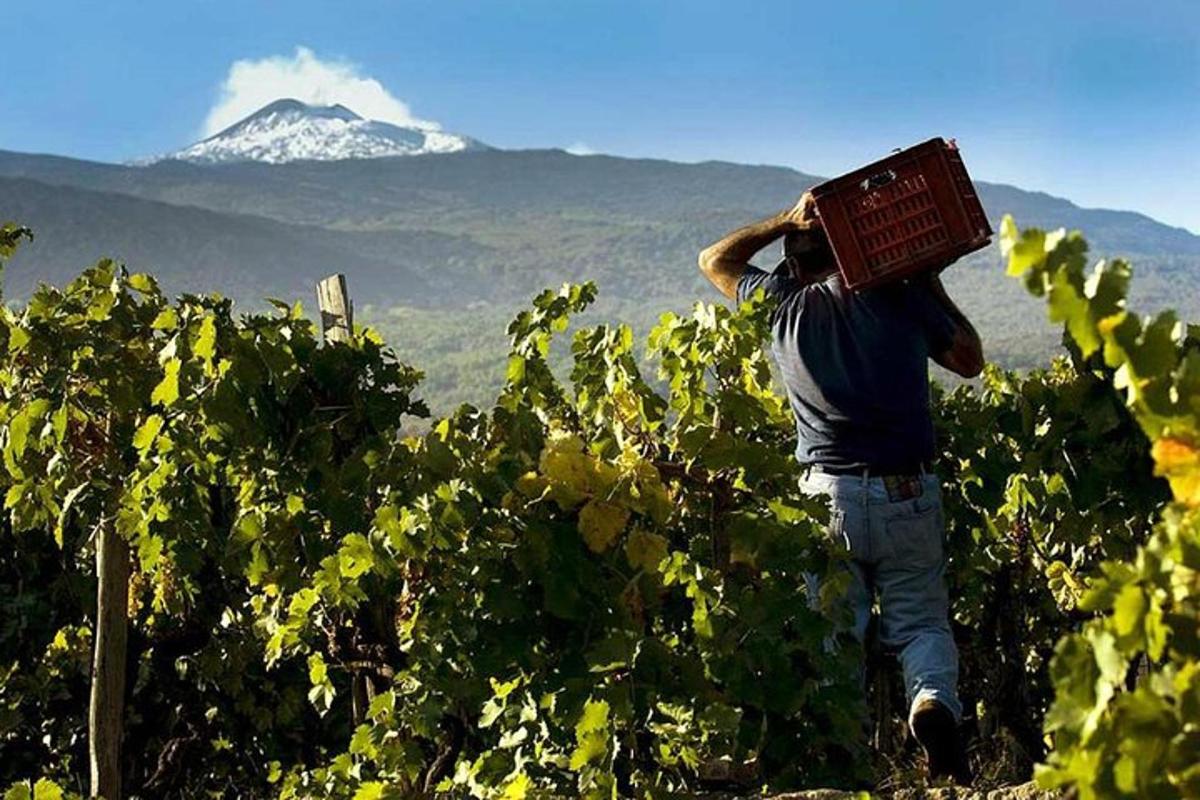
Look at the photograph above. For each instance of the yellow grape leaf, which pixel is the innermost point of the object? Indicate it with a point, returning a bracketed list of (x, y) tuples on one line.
[(574, 474), (517, 788), (1179, 462), (532, 485), (566, 497), (602, 476), (567, 468), (645, 550), (601, 523), (564, 461)]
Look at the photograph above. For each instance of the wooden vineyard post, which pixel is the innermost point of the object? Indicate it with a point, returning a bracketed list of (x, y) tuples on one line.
[(337, 312), (106, 709), (337, 324)]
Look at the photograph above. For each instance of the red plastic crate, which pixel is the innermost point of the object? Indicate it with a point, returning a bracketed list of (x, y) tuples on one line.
[(912, 211)]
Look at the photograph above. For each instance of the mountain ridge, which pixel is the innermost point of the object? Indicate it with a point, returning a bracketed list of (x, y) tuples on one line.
[(288, 258), (142, 180), (440, 250)]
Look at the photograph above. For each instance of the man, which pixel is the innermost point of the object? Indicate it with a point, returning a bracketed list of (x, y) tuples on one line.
[(855, 369)]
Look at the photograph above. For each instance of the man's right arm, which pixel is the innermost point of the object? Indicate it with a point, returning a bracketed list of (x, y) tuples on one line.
[(964, 355), (724, 262)]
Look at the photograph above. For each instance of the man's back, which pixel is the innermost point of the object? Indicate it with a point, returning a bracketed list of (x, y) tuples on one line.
[(855, 367)]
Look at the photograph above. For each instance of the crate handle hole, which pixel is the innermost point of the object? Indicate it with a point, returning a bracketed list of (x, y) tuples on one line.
[(877, 180)]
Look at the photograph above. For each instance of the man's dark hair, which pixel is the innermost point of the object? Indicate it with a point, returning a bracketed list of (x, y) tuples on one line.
[(807, 254)]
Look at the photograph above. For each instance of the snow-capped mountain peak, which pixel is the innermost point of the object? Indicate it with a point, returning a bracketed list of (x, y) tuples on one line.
[(289, 130)]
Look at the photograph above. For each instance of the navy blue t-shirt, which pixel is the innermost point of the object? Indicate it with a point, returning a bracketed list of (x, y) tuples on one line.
[(855, 366)]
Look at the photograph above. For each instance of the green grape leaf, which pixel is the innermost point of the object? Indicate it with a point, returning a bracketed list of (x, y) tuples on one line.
[(167, 320), (370, 790), (166, 393), (143, 283), (356, 556), (591, 734), (206, 340), (46, 789), (147, 432), (18, 791), (1024, 250)]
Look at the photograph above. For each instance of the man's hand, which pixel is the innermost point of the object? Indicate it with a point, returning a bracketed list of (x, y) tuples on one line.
[(724, 262), (803, 215)]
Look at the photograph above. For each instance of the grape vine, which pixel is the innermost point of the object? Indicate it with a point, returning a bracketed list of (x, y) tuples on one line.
[(593, 587)]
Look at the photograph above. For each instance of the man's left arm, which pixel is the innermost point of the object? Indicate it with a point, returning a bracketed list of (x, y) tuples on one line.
[(964, 353), (724, 262)]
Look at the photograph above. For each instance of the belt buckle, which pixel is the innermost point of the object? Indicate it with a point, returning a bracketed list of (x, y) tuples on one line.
[(903, 487)]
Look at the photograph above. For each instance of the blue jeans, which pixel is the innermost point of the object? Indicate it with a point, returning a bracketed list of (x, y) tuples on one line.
[(896, 550)]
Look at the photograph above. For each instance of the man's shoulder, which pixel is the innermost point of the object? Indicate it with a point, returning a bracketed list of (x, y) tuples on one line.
[(829, 290), (778, 284)]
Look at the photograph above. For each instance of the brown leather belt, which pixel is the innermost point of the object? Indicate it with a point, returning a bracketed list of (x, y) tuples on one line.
[(902, 483), (915, 468)]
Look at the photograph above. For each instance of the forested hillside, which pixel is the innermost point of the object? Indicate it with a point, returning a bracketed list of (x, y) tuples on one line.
[(441, 251)]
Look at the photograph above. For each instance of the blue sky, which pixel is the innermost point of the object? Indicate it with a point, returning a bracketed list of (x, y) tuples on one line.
[(1095, 101)]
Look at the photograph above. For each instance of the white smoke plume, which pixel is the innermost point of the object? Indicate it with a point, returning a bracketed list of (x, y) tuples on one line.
[(252, 84), (582, 149)]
